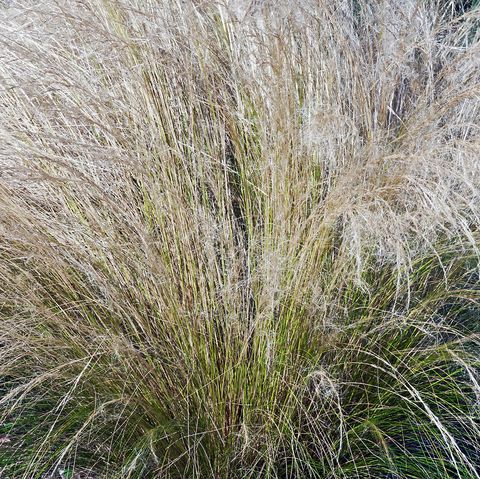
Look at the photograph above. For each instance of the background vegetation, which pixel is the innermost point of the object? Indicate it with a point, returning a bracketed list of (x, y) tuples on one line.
[(239, 240)]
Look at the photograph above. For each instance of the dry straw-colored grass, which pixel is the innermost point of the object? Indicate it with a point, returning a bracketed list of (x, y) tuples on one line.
[(240, 240)]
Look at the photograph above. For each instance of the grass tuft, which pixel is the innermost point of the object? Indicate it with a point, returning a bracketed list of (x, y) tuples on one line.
[(239, 239)]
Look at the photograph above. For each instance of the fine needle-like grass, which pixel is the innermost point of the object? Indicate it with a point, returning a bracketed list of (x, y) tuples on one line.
[(239, 239)]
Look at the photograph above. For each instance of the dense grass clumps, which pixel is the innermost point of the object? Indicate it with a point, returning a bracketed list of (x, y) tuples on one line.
[(239, 240)]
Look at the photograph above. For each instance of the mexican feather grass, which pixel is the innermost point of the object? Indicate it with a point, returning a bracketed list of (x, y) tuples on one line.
[(240, 239)]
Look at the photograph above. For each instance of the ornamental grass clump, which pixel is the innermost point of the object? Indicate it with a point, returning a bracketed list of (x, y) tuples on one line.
[(239, 239)]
